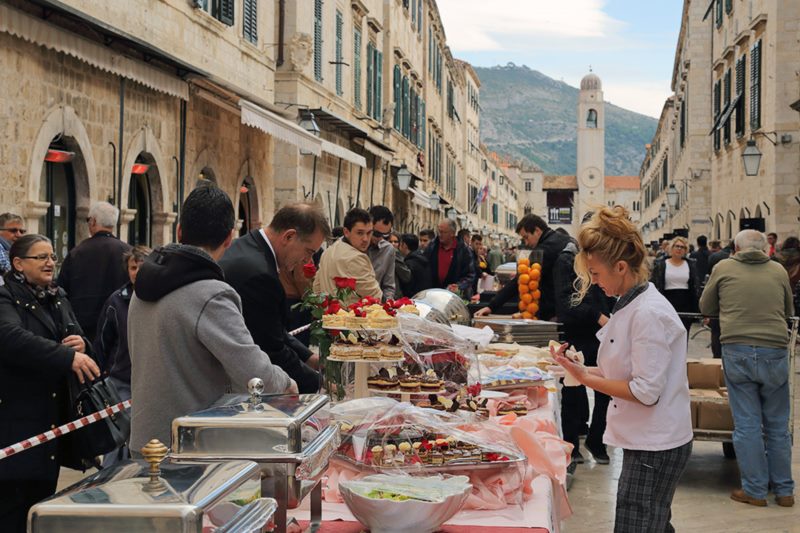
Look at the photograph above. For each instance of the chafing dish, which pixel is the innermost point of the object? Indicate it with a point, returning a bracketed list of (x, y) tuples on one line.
[(149, 495), (521, 330), (282, 433), (435, 304)]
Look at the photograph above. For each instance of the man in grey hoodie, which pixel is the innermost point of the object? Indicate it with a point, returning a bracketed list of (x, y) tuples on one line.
[(187, 338)]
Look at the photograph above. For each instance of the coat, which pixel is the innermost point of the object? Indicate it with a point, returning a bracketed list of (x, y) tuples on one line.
[(462, 268), (111, 345), (421, 279), (657, 277), (251, 268), (34, 370), (90, 273), (341, 260)]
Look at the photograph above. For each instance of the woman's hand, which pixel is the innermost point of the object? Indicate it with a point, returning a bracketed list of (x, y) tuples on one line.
[(483, 312), (576, 370), (85, 367), (75, 341)]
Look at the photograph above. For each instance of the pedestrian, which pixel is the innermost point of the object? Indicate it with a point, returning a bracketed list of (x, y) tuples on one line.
[(789, 257), (481, 265), (772, 241), (402, 272), (394, 239), (450, 260), (111, 346), (641, 365), (713, 322), (752, 296), (581, 322), (425, 237), (537, 235), (495, 257), (676, 278), (713, 247), (417, 262), (12, 227), (347, 258), (380, 252), (94, 269), (252, 266), (42, 344), (188, 341), (701, 256)]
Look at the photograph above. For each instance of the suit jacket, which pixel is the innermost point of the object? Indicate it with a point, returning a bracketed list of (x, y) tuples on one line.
[(343, 261), (252, 270), (90, 273)]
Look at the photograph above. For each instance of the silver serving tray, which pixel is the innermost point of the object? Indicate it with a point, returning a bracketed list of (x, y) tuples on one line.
[(513, 462)]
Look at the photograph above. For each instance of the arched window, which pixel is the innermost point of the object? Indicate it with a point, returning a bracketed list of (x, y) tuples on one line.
[(591, 119)]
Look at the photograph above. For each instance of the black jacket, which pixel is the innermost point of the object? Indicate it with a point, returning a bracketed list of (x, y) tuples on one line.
[(701, 256), (551, 243), (111, 346), (462, 268), (716, 257), (421, 279), (90, 273), (251, 269), (34, 370), (579, 322), (659, 272)]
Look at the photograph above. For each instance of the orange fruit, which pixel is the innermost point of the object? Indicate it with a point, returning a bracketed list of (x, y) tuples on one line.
[(524, 261), (527, 298), (537, 294), (522, 306), (533, 308), (524, 279), (535, 275), (524, 289), (533, 285), (536, 266), (523, 269), (527, 315)]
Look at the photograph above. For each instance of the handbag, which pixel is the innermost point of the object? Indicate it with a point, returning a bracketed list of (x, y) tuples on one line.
[(82, 446)]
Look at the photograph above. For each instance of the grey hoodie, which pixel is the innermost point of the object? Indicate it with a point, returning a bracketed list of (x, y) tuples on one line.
[(188, 342)]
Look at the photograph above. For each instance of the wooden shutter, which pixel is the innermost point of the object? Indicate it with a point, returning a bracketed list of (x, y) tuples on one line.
[(369, 78), (398, 100), (225, 11), (250, 21), (378, 68), (726, 127), (740, 81), (406, 108), (728, 6), (339, 53), (318, 40), (424, 125), (717, 103), (357, 68), (719, 13), (755, 87), (412, 127)]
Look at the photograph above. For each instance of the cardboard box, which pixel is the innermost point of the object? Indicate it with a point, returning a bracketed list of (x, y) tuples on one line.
[(714, 415), (694, 408), (705, 373)]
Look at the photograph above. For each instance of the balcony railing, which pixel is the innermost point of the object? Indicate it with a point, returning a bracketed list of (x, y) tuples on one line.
[(559, 215)]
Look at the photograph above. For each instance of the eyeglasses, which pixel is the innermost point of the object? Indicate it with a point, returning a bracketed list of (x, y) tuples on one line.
[(21, 231), (679, 247), (376, 233), (41, 257)]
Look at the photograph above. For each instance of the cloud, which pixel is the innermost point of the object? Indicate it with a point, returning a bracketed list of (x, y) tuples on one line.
[(643, 97), (483, 25)]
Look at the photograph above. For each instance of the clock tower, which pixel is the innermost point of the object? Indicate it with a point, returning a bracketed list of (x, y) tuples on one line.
[(590, 170)]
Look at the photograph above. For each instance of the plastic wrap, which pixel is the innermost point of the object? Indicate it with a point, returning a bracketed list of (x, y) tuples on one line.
[(435, 488)]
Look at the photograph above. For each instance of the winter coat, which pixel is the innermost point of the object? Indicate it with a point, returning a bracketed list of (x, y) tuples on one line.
[(111, 345), (657, 277), (462, 267), (421, 279)]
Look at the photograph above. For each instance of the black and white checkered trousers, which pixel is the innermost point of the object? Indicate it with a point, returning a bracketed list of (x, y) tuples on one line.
[(646, 486)]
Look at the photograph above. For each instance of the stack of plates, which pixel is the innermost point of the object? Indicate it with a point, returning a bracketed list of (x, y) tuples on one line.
[(520, 330)]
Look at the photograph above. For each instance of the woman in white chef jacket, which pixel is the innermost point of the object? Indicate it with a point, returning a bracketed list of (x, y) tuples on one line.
[(641, 364)]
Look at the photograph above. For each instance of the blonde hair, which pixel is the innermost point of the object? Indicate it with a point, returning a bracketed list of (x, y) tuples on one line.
[(611, 236), (677, 240)]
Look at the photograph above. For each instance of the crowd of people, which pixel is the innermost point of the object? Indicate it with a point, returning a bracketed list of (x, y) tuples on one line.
[(176, 327)]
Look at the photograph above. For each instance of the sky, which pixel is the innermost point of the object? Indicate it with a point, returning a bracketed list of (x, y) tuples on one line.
[(630, 44)]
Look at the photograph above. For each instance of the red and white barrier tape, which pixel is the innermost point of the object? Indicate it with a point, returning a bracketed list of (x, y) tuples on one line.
[(63, 430), (301, 329)]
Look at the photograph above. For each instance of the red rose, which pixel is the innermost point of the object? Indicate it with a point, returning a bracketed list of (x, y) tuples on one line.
[(309, 270), (333, 308), (345, 283)]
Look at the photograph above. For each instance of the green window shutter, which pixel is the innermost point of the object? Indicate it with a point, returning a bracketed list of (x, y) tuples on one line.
[(406, 107), (419, 16), (398, 101), (339, 53), (717, 105), (740, 81), (225, 11), (726, 128), (719, 13), (424, 124), (318, 40), (369, 79), (728, 6), (378, 68), (250, 21), (357, 68), (413, 14), (755, 86)]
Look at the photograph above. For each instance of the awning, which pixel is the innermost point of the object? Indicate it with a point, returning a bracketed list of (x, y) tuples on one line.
[(41, 33), (326, 116), (726, 114), (374, 149), (420, 197), (278, 127), (344, 153)]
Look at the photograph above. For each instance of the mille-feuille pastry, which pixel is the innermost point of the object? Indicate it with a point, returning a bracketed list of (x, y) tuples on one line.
[(391, 351)]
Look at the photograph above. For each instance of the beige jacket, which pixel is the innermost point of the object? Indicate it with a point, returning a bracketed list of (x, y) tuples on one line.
[(343, 261)]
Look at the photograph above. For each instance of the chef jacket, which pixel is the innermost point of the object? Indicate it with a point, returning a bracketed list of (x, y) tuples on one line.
[(644, 343)]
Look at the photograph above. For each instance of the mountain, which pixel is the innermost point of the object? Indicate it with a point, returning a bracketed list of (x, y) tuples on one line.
[(527, 115)]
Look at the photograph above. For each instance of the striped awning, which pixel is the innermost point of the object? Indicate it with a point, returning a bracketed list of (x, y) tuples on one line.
[(42, 33), (280, 128)]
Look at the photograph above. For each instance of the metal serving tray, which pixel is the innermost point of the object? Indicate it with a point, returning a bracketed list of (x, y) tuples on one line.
[(187, 497), (450, 468)]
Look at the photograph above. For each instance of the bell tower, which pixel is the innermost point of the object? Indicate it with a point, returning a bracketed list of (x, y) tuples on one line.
[(590, 170)]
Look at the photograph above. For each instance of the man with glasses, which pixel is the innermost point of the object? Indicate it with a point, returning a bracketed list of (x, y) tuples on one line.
[(380, 251), (11, 229)]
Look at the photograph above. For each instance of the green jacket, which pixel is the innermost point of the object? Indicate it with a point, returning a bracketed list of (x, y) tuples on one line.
[(752, 296)]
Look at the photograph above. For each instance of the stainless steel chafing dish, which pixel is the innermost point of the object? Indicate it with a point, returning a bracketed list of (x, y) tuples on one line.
[(281, 433), (520, 330), (135, 496), (441, 305)]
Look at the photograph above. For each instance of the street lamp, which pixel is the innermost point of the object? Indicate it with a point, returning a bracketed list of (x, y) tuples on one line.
[(751, 157), (452, 214), (662, 211), (672, 196), (434, 199), (659, 221), (403, 178), (308, 123)]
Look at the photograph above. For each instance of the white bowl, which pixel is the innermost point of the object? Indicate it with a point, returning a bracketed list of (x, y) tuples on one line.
[(388, 516)]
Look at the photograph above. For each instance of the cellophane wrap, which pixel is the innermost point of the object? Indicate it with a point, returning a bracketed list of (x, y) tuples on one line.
[(433, 488)]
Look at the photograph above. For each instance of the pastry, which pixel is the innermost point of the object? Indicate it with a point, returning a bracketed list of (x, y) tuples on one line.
[(409, 308), (377, 455), (409, 384), (389, 351), (356, 322), (339, 319), (371, 352)]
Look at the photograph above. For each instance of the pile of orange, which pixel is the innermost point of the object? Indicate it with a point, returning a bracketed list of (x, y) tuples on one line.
[(529, 293)]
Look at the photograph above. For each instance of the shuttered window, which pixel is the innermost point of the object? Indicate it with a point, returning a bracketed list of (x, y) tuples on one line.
[(682, 138), (250, 21), (398, 98), (755, 86), (370, 96), (357, 68), (318, 40), (728, 6), (224, 11), (719, 13), (423, 124), (339, 53), (450, 103), (717, 103), (412, 131), (726, 90), (413, 14), (406, 108), (740, 81), (419, 17), (377, 70)]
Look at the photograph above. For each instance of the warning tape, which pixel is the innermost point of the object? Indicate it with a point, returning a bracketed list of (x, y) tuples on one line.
[(63, 430)]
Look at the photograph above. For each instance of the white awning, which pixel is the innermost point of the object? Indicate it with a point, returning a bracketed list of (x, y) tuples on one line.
[(41, 33), (344, 153), (374, 149), (278, 127), (420, 197)]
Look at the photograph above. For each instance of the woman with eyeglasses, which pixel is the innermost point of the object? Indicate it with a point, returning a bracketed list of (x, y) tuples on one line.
[(675, 276), (42, 344)]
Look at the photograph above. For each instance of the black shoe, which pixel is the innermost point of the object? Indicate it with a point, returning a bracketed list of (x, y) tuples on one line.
[(600, 455), (577, 457)]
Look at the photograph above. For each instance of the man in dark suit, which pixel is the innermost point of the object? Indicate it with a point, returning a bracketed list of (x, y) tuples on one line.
[(251, 266)]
